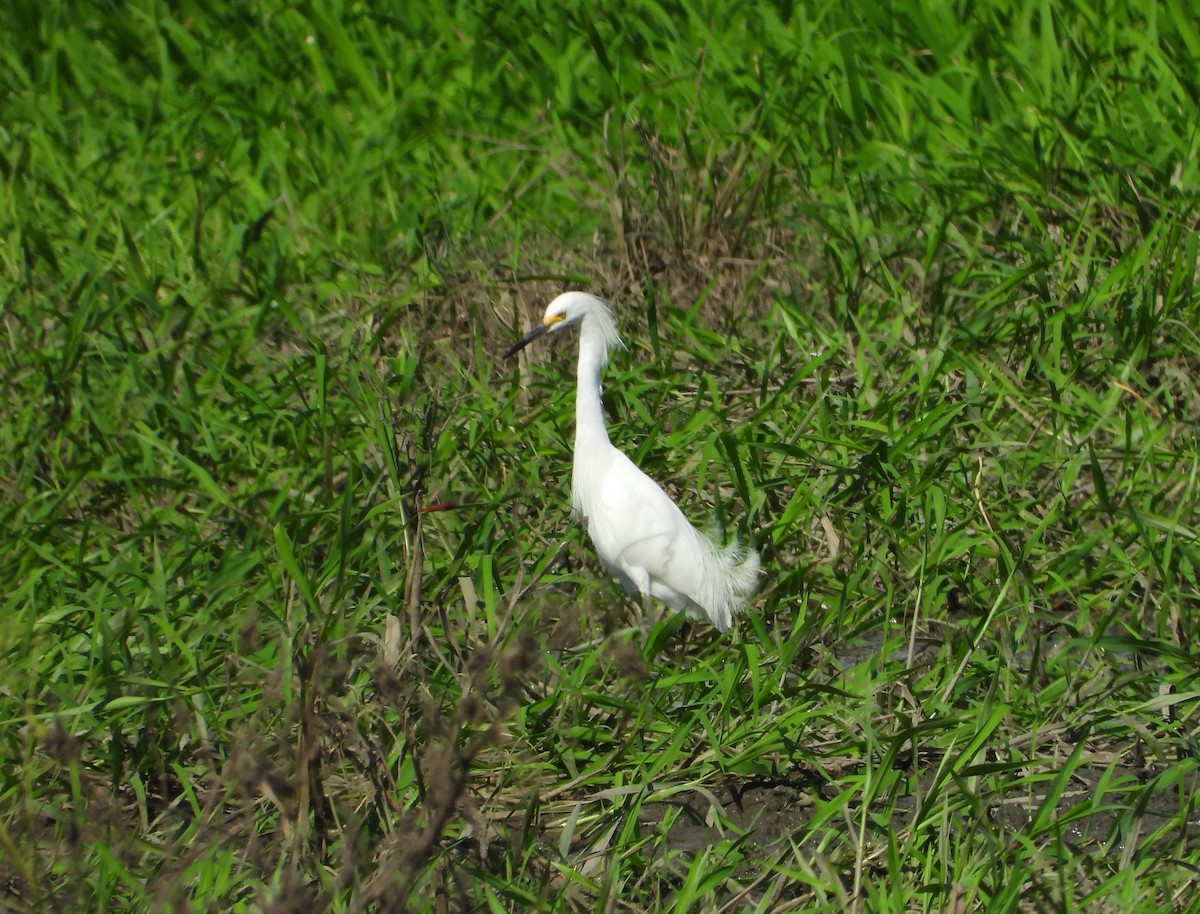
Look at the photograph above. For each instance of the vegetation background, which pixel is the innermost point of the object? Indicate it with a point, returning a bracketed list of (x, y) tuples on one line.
[(295, 617)]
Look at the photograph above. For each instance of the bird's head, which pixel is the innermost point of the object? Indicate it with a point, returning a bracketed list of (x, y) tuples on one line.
[(568, 310)]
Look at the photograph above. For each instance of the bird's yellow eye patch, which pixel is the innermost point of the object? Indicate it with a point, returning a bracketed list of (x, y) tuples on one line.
[(551, 319)]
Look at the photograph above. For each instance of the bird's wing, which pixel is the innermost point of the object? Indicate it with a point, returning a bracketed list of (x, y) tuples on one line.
[(635, 525)]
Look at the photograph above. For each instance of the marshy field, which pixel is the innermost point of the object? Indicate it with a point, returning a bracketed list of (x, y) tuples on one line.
[(295, 616)]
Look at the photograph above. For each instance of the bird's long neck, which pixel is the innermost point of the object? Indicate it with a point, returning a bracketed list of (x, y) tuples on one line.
[(589, 414)]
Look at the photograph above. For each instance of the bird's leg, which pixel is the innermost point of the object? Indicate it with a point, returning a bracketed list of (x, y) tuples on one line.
[(638, 588), (645, 615), (688, 631)]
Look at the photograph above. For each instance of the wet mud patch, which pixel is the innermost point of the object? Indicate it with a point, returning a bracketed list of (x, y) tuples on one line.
[(1107, 811)]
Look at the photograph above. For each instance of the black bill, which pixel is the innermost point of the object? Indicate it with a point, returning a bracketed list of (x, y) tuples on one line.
[(526, 340)]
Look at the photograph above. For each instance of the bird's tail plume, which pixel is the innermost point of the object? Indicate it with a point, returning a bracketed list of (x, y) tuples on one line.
[(731, 580)]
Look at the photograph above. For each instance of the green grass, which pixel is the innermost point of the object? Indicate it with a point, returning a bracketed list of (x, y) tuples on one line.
[(295, 614)]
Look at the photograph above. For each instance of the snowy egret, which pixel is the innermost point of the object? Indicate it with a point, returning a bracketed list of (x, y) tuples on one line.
[(642, 537)]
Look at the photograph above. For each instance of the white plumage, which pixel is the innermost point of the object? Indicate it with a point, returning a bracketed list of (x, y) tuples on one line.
[(641, 536)]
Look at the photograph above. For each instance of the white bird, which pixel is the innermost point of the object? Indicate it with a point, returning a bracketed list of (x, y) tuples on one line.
[(642, 537)]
